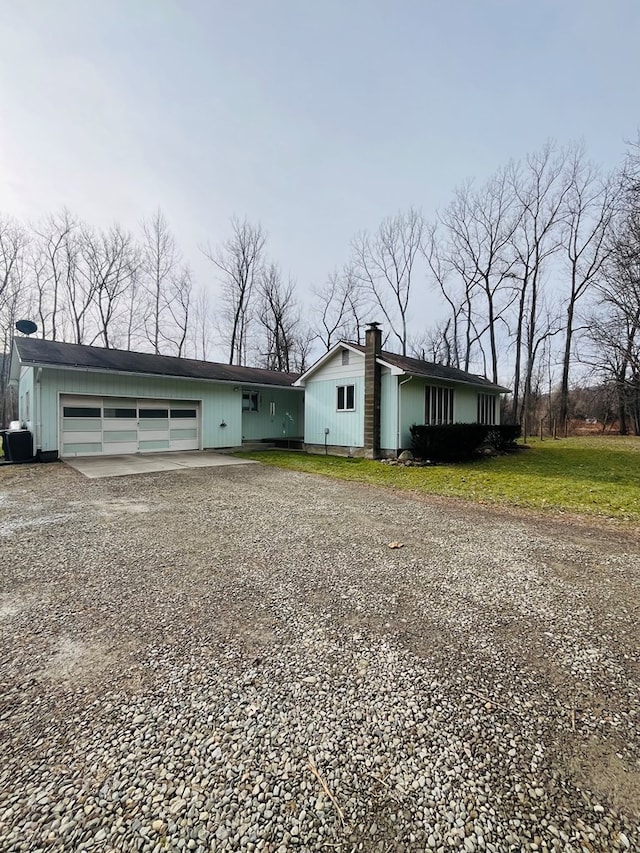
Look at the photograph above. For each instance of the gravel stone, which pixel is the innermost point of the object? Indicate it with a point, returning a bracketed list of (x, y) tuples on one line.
[(233, 659)]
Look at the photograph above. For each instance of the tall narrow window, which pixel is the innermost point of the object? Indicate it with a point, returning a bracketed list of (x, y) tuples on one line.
[(346, 398), (345, 356), (438, 405), (486, 409)]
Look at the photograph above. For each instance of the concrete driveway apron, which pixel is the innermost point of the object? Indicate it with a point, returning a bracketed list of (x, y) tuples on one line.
[(95, 467)]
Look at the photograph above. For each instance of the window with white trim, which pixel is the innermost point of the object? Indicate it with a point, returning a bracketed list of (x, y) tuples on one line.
[(487, 409), (346, 401), (345, 356), (438, 405), (250, 401)]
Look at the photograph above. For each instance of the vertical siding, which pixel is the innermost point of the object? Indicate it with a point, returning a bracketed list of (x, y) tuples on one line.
[(465, 405), (335, 369), (345, 428), (218, 403), (28, 386), (389, 411), (411, 408), (285, 423)]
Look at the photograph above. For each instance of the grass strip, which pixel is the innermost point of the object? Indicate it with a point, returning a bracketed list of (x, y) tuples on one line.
[(592, 476)]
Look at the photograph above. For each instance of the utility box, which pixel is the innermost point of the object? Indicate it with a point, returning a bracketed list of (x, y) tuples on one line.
[(17, 445)]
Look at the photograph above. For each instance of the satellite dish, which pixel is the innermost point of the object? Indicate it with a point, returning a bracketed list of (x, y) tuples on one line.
[(27, 327)]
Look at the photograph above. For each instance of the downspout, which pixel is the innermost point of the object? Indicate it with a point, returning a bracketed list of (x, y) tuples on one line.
[(399, 413)]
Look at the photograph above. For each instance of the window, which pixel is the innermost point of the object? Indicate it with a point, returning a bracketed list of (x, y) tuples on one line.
[(486, 409), (153, 413), (345, 356), (27, 406), (250, 401), (81, 411), (120, 413), (438, 405), (346, 398), (183, 413)]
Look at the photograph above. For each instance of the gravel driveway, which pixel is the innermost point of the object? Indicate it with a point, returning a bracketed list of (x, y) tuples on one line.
[(234, 659)]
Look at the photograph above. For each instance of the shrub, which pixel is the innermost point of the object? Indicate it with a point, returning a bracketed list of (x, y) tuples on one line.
[(447, 443), (503, 436)]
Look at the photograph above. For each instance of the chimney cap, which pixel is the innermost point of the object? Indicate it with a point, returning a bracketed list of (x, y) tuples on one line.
[(373, 324)]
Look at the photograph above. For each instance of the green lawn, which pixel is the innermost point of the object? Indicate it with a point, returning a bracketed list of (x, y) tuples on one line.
[(592, 476)]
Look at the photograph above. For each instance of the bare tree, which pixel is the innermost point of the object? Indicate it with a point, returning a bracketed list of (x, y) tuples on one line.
[(384, 263), (79, 287), (443, 342), (134, 310), (13, 246), (159, 263), (239, 262), (179, 311), (480, 225), (49, 265), (202, 324), (336, 309), (279, 319), (614, 329), (109, 263), (591, 204), (540, 187)]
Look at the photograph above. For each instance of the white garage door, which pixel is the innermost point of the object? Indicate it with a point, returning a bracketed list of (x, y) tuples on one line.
[(95, 426)]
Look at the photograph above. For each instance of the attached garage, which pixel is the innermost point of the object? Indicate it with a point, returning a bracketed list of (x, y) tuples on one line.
[(80, 400), (92, 426)]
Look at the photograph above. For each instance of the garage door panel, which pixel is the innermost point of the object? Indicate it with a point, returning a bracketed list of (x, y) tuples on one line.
[(81, 448), (183, 433), (119, 448), (182, 444), (154, 444), (120, 435), (154, 424), (84, 436), (81, 424)]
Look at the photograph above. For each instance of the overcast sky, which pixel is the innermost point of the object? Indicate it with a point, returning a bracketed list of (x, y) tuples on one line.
[(316, 119)]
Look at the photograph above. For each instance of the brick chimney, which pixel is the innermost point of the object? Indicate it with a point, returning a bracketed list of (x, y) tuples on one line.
[(372, 392)]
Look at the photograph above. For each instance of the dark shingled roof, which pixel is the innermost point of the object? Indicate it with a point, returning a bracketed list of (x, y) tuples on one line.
[(58, 354), (430, 370)]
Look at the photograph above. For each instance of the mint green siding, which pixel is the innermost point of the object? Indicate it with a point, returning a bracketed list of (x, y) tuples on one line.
[(280, 414), (389, 411), (411, 408), (346, 429), (220, 403), (26, 399), (412, 403)]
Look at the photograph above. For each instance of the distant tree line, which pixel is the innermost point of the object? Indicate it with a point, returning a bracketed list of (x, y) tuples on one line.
[(537, 269)]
